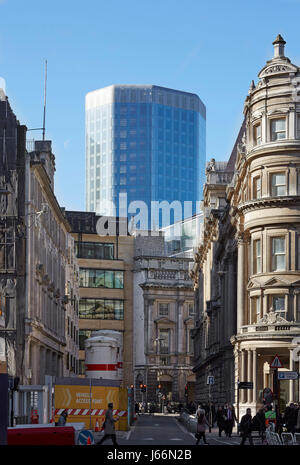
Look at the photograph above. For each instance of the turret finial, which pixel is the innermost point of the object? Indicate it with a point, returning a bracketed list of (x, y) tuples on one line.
[(279, 44)]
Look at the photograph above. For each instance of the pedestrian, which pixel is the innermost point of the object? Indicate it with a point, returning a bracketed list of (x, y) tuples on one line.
[(109, 426), (220, 419), (258, 423), (270, 417), (137, 408), (63, 418), (230, 420), (297, 429), (213, 413), (246, 426), (201, 425), (291, 418)]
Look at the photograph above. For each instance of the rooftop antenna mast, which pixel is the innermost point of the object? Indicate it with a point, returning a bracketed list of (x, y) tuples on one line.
[(45, 98), (44, 116)]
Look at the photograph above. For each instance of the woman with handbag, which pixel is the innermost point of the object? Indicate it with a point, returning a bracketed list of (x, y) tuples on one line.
[(201, 425)]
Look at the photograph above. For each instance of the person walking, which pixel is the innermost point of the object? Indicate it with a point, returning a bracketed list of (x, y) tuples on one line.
[(230, 420), (270, 417), (220, 419), (63, 418), (137, 408), (213, 414), (109, 426), (291, 418), (246, 426), (259, 423), (201, 425), (297, 430)]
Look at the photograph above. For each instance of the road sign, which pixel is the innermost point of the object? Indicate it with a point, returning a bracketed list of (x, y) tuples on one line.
[(245, 385), (276, 363), (210, 380), (85, 437), (288, 375)]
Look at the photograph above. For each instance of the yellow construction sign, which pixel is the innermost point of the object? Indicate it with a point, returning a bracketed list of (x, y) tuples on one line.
[(86, 404)]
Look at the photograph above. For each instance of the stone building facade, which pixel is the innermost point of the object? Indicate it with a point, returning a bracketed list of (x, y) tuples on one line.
[(163, 316), (71, 363), (49, 260), (214, 277), (12, 239), (257, 228)]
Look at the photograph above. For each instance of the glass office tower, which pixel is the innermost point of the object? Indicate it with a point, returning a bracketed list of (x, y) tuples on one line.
[(147, 142)]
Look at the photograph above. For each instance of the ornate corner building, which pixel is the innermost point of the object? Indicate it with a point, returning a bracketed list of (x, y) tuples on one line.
[(247, 269), (163, 316)]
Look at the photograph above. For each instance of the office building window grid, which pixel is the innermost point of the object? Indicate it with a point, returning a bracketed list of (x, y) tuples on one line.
[(145, 130), (98, 278), (102, 309)]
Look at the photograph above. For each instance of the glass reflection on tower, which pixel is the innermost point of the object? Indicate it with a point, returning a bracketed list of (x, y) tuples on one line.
[(147, 142)]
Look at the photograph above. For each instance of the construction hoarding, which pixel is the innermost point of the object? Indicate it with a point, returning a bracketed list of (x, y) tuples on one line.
[(87, 401)]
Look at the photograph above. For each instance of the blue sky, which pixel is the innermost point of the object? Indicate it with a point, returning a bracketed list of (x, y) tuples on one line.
[(212, 48)]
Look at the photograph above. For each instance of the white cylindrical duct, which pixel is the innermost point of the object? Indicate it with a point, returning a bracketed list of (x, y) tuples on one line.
[(118, 336), (101, 357)]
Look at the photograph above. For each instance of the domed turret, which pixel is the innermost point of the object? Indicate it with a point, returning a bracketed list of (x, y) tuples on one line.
[(270, 110)]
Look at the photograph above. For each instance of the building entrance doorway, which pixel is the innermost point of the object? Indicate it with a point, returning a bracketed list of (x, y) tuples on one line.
[(166, 389), (190, 391)]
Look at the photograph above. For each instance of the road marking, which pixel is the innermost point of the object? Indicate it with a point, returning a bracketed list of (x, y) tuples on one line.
[(148, 439), (175, 439)]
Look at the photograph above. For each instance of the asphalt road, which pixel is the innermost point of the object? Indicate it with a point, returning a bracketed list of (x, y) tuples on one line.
[(167, 430)]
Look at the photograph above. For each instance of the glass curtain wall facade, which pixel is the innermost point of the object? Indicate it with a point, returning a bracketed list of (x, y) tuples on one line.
[(147, 142)]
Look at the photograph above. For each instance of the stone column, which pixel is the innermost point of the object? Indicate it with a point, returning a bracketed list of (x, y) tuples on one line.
[(240, 282), (299, 379), (249, 375), (236, 376), (291, 385), (292, 125), (264, 126), (242, 374), (180, 330), (254, 375), (150, 325)]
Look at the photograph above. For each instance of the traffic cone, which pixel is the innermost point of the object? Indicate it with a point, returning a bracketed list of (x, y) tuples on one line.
[(97, 428), (89, 442)]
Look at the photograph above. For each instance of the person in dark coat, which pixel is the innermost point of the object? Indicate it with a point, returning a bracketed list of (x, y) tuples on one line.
[(230, 420), (213, 413), (246, 426), (259, 423), (137, 408), (109, 426), (63, 418), (220, 419), (297, 430), (290, 418)]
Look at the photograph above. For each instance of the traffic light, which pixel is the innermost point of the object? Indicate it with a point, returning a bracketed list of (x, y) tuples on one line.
[(144, 387), (159, 386), (186, 391)]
